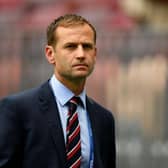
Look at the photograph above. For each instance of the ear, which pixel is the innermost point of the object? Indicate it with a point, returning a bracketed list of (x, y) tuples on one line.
[(50, 54), (95, 53)]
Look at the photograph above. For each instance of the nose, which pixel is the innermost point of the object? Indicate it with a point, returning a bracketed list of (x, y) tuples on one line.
[(80, 52)]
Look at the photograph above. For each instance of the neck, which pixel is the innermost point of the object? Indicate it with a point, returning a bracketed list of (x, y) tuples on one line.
[(76, 88), (75, 85)]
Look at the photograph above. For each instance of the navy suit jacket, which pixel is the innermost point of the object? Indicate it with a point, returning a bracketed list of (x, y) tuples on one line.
[(31, 134)]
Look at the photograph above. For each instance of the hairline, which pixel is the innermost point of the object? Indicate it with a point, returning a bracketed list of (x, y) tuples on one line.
[(71, 26), (62, 22)]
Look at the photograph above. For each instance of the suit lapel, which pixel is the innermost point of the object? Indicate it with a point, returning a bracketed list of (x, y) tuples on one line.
[(49, 109), (95, 131)]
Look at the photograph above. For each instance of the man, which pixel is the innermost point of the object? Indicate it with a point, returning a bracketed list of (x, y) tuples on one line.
[(37, 127)]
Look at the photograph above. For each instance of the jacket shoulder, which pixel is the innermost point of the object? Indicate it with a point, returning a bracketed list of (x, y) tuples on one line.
[(100, 108), (23, 97)]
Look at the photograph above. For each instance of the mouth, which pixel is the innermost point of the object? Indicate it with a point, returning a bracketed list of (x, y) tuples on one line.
[(80, 65)]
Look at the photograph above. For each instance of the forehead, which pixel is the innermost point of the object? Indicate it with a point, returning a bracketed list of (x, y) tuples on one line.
[(75, 33)]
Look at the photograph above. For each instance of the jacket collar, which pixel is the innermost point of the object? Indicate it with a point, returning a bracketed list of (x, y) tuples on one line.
[(49, 109)]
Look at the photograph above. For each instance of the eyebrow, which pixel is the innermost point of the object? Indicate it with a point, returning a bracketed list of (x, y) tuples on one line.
[(76, 43)]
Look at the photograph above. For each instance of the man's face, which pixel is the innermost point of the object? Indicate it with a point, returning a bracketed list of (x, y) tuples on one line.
[(74, 52)]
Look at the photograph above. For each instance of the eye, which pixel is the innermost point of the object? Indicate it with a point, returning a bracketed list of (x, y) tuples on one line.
[(87, 46), (71, 46)]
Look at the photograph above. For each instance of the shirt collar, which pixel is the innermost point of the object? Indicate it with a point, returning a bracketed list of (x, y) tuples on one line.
[(62, 93)]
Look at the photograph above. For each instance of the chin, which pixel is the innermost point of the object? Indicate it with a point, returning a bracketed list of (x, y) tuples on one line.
[(80, 76)]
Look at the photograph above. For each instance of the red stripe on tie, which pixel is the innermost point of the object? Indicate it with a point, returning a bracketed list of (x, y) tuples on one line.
[(72, 120), (73, 146), (77, 163), (74, 134), (74, 150)]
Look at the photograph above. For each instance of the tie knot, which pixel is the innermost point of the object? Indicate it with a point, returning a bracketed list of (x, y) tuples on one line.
[(75, 100), (73, 103)]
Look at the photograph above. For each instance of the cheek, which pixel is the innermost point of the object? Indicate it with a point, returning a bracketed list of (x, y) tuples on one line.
[(63, 63), (64, 60)]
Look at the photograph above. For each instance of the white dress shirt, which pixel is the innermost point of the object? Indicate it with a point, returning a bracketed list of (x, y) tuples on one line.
[(62, 96)]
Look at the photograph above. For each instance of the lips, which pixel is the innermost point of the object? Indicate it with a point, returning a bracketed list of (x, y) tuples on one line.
[(80, 65)]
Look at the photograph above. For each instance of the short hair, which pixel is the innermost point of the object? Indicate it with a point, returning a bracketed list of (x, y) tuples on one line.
[(66, 21)]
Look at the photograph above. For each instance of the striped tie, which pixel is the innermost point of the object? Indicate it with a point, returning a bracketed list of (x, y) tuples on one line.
[(73, 145)]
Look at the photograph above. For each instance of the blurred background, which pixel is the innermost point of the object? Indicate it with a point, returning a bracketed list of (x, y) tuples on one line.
[(131, 75)]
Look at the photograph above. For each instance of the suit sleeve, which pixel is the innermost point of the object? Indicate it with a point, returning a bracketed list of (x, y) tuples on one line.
[(9, 135)]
